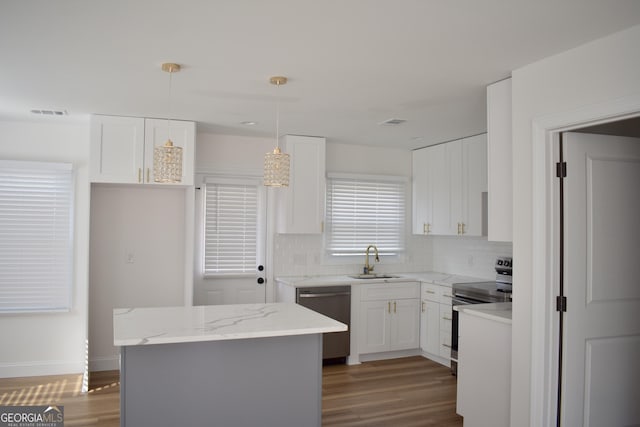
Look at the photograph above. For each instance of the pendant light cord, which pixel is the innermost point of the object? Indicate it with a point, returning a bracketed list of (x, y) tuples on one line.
[(278, 118), (169, 105)]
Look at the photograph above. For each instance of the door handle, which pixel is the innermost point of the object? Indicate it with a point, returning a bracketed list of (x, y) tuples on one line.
[(260, 280)]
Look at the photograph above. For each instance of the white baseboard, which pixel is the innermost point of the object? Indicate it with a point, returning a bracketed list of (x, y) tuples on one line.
[(389, 355), (109, 363), (40, 368), (436, 358)]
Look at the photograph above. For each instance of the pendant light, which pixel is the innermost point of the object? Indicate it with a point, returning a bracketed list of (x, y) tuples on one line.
[(167, 158), (276, 163)]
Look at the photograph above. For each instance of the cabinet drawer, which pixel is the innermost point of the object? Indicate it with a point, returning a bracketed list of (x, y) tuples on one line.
[(445, 345), (445, 317), (390, 291), (445, 297), (431, 292)]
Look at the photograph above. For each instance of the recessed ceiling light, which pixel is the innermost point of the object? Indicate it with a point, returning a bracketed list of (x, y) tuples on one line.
[(392, 122), (249, 123)]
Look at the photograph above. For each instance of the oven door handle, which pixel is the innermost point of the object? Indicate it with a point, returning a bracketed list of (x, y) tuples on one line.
[(462, 299)]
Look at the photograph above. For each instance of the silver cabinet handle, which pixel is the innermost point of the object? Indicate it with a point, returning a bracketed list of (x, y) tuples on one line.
[(445, 345), (335, 294)]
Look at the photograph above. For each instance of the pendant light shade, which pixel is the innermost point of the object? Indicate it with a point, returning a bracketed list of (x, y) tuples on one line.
[(276, 163), (167, 158), (167, 163), (276, 168)]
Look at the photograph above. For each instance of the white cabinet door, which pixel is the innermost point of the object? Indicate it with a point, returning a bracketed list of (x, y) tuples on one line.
[(455, 172), (117, 149), (122, 148), (440, 190), (374, 326), (474, 186), (405, 324), (430, 327), (422, 196), (449, 181), (301, 205), (182, 134), (499, 162)]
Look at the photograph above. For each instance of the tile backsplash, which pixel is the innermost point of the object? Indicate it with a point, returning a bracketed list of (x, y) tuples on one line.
[(303, 255)]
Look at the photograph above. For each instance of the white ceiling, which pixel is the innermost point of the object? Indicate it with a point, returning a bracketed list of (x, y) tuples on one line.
[(351, 63)]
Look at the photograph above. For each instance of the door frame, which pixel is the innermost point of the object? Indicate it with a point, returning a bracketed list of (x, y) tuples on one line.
[(545, 245), (269, 225)]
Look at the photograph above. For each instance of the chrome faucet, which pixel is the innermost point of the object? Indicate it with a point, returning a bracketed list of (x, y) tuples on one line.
[(369, 268)]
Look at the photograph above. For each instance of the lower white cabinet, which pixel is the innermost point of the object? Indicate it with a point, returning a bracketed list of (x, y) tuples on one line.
[(484, 374), (430, 327), (389, 317), (435, 322)]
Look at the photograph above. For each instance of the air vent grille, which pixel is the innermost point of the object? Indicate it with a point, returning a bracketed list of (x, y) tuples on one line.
[(392, 122), (49, 112)]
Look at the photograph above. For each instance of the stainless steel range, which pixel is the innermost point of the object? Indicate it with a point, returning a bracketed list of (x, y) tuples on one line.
[(480, 293)]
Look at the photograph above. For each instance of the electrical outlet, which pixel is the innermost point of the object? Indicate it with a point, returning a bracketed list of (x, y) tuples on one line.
[(131, 258)]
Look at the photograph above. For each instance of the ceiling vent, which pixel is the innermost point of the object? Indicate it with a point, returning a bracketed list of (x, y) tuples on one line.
[(50, 112), (392, 122)]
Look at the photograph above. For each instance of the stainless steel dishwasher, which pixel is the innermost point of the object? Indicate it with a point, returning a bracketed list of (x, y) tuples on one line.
[(334, 302)]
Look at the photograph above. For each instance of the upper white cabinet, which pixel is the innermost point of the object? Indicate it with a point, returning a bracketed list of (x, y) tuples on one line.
[(301, 205), (500, 216), (181, 133), (122, 148), (449, 182)]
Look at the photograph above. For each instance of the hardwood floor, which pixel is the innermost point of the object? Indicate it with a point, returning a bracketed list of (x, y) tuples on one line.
[(411, 391)]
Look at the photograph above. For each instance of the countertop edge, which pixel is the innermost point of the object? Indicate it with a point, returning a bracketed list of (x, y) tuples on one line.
[(498, 312)]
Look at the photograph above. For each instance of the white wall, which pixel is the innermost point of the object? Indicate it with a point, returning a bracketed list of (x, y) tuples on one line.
[(137, 258), (599, 72), (49, 344), (467, 256)]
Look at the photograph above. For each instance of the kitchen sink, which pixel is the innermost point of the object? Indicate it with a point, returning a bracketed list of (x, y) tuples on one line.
[(375, 276)]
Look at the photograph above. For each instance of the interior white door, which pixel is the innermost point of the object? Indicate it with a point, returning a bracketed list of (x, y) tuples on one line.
[(601, 363), (231, 231)]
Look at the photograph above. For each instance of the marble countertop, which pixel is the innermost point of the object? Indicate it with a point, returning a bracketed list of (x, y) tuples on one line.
[(442, 279), (499, 311), (164, 325)]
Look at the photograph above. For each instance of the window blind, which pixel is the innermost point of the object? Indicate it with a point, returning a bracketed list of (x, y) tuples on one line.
[(361, 212), (231, 226), (36, 235)]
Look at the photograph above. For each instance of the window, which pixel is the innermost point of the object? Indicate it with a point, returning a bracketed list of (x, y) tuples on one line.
[(365, 210), (36, 229), (231, 228)]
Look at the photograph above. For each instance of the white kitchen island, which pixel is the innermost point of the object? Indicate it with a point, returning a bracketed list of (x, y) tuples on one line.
[(226, 365)]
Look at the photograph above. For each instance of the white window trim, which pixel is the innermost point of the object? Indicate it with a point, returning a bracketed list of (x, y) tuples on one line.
[(400, 257), (65, 290), (231, 180)]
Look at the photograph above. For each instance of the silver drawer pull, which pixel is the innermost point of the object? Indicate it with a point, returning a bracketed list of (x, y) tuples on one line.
[(445, 345), (430, 292), (448, 296), (446, 318), (325, 295)]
